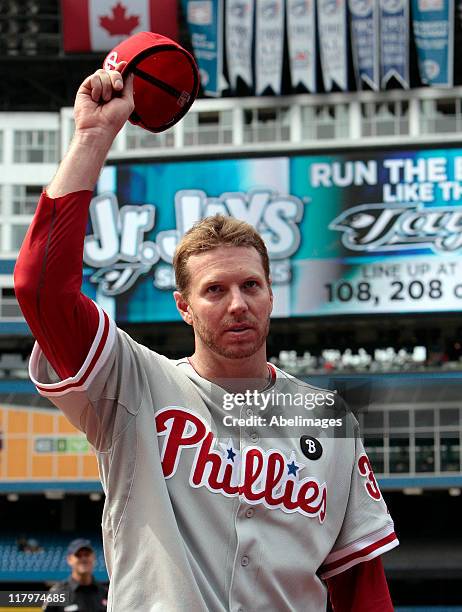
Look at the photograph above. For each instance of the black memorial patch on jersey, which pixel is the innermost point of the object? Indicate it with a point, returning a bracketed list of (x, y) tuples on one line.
[(311, 447)]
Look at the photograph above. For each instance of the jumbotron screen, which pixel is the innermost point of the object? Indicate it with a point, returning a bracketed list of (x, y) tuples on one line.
[(350, 233)]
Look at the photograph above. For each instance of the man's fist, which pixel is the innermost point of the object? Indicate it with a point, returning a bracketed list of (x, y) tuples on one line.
[(104, 103)]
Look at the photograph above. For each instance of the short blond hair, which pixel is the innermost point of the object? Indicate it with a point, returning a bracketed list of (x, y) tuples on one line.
[(211, 233)]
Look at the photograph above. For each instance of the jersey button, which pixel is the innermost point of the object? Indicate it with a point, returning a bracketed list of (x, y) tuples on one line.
[(249, 412), (254, 437), (249, 512), (245, 561)]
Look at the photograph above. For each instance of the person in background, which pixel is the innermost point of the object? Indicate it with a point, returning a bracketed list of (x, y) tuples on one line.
[(85, 593)]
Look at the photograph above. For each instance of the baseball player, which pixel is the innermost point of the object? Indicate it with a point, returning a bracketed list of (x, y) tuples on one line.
[(207, 508)]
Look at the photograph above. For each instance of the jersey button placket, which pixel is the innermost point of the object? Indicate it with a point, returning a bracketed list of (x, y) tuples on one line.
[(241, 578), (244, 592)]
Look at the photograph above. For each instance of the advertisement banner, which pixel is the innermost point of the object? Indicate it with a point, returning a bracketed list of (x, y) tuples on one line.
[(269, 45), (394, 42), (301, 38), (364, 26), (433, 23), (239, 40), (39, 444), (356, 233), (204, 19), (332, 30)]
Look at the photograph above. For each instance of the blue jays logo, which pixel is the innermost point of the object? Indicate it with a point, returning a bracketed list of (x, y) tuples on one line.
[(299, 8), (270, 10), (393, 6), (239, 9), (378, 227), (361, 8), (431, 68), (329, 7)]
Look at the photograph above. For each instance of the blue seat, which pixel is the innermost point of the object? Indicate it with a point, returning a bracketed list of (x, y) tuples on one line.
[(51, 560)]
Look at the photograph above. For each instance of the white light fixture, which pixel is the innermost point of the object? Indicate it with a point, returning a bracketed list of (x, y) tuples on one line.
[(54, 494), (412, 491), (12, 497), (454, 492), (95, 497)]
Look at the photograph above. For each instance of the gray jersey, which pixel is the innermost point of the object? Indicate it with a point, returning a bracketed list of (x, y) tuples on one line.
[(203, 516)]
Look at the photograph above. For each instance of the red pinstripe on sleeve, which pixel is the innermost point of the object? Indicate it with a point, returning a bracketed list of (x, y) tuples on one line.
[(364, 549), (48, 278), (97, 356)]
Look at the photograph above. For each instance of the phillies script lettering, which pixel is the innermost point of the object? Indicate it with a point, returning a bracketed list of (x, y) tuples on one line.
[(255, 475)]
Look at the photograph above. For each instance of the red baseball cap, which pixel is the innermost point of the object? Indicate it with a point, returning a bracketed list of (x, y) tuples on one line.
[(166, 81)]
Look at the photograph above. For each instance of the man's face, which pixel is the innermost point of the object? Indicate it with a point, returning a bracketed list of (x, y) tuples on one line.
[(229, 301), (82, 562)]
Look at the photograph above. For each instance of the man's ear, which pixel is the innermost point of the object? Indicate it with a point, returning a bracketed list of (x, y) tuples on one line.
[(183, 307), (270, 288)]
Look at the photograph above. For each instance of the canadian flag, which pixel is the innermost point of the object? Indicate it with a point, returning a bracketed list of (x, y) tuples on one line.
[(100, 25)]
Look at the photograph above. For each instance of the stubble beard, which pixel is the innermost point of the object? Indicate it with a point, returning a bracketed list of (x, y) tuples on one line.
[(211, 340)]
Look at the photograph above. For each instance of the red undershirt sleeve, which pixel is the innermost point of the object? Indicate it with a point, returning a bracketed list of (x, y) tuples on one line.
[(362, 588), (48, 279)]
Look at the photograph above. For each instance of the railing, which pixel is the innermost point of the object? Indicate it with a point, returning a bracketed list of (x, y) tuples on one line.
[(9, 309), (300, 122)]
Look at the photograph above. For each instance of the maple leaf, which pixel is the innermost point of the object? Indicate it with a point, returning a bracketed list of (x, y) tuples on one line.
[(119, 23)]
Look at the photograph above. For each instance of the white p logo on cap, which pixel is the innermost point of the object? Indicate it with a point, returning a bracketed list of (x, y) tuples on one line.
[(111, 61)]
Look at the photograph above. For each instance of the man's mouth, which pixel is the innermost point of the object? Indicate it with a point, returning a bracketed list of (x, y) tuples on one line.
[(239, 328)]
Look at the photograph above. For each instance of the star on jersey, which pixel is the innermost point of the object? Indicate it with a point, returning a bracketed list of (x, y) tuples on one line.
[(292, 469), (293, 466), (229, 450)]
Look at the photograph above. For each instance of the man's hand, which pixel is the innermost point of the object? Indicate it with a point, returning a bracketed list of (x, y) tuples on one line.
[(102, 106), (104, 103)]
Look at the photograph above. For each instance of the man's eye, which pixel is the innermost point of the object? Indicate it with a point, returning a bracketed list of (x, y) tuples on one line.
[(213, 289), (251, 284)]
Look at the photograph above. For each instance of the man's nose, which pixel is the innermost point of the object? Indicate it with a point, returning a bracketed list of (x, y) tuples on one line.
[(237, 303)]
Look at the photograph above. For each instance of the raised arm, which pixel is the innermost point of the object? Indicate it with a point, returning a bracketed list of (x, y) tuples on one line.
[(102, 106), (48, 272)]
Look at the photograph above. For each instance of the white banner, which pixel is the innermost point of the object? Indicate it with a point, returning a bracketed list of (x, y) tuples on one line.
[(269, 45), (239, 40), (301, 34), (332, 28)]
